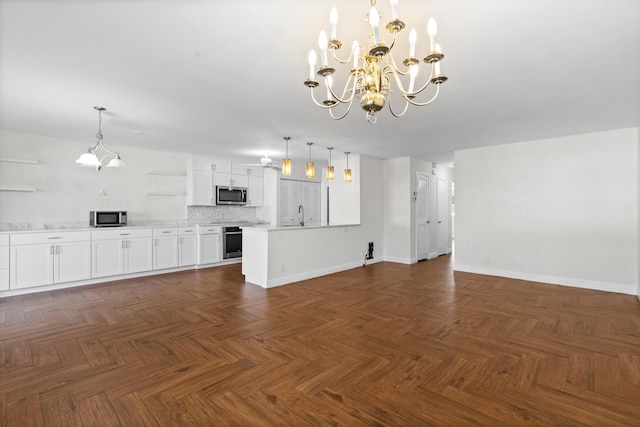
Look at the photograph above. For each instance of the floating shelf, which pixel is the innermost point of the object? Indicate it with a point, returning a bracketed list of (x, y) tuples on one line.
[(157, 193), (22, 162), (22, 190), (165, 173)]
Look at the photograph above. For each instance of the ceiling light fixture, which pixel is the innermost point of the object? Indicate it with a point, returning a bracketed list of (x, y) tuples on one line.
[(375, 67), (347, 171), (286, 163), (311, 172), (330, 167), (90, 158)]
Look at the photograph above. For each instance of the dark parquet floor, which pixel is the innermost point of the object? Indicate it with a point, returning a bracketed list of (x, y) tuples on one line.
[(383, 345)]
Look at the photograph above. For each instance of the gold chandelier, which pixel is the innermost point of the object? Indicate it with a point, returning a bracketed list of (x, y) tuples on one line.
[(374, 68)]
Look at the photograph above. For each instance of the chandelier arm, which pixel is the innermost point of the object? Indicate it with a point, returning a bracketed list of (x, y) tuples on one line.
[(399, 84), (395, 67), (345, 61), (342, 116), (426, 85), (318, 103), (346, 86), (422, 104), (406, 107)]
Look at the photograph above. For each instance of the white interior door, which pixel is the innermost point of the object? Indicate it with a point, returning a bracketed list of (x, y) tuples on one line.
[(422, 216), (444, 216)]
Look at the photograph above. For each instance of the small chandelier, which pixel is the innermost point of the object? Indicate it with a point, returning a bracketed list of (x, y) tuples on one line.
[(330, 173), (347, 171), (374, 68), (286, 163), (310, 172), (90, 158)]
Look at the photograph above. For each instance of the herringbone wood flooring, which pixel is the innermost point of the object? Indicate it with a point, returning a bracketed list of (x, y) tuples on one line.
[(388, 344)]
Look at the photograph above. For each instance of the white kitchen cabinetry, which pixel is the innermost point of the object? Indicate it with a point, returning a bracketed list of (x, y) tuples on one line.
[(294, 194), (165, 248), (210, 244), (199, 181), (230, 174), (255, 192), (187, 246), (4, 262), (39, 259), (121, 251)]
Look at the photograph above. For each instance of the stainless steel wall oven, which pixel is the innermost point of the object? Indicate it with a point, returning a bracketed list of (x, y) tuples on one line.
[(231, 242)]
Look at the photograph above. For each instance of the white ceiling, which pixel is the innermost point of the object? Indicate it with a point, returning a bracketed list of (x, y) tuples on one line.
[(226, 77)]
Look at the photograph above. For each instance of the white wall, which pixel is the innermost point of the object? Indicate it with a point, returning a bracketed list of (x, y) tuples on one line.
[(638, 175), (345, 196), (66, 192), (397, 209), (561, 210)]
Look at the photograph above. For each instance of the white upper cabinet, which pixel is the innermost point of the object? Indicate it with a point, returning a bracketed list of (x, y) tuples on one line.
[(199, 181), (205, 173)]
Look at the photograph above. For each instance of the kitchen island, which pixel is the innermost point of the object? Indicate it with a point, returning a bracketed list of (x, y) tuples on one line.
[(274, 256)]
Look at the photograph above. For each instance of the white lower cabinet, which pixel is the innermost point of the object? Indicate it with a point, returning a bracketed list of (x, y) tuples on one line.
[(187, 246), (39, 259), (4, 262), (165, 248), (121, 251), (210, 244)]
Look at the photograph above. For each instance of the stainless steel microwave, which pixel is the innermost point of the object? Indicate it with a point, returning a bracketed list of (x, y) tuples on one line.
[(107, 218), (231, 195)]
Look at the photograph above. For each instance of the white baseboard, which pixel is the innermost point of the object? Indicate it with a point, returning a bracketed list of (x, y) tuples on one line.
[(400, 260), (620, 288), (317, 273)]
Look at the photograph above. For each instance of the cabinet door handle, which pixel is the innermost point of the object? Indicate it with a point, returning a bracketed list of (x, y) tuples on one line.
[(166, 232), (53, 238), (51, 250), (57, 249)]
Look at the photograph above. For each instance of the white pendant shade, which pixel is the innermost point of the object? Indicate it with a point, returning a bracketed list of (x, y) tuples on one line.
[(88, 159), (116, 162)]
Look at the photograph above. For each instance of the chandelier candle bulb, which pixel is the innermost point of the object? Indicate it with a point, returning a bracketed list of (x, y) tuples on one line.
[(356, 53), (374, 21), (312, 63), (322, 41), (333, 18), (394, 9), (432, 29), (413, 36), (413, 72)]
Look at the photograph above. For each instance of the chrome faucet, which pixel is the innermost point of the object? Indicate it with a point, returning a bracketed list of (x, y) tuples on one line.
[(301, 210)]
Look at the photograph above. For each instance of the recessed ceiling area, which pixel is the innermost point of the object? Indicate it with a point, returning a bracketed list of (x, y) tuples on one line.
[(226, 77)]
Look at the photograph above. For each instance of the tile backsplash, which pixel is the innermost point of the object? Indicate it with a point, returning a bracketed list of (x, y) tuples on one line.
[(213, 214)]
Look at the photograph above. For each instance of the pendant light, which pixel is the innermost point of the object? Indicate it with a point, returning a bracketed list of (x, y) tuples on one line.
[(90, 158), (311, 172), (347, 171), (286, 163), (330, 167)]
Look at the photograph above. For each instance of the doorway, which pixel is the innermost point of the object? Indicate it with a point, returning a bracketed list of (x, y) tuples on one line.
[(423, 234)]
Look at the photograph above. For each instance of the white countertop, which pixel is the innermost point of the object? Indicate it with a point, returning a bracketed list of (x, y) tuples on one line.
[(269, 227)]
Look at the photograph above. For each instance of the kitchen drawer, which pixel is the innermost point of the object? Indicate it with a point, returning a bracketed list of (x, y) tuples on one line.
[(39, 238), (209, 229), (165, 231), (185, 231), (121, 233)]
